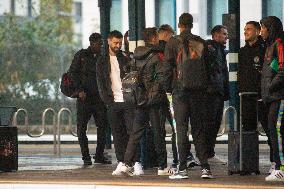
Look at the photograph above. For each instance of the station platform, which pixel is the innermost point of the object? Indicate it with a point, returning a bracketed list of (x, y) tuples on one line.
[(40, 169)]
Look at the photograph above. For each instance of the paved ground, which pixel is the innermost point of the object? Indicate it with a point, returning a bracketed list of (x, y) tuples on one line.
[(37, 165)]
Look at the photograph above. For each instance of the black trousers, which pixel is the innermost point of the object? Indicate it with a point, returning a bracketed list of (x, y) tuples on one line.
[(193, 106), (276, 143), (121, 118), (262, 114), (143, 115), (165, 114), (215, 105), (85, 109)]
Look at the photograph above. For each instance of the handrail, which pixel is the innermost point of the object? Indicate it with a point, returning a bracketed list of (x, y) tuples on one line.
[(59, 124), (15, 118), (53, 123)]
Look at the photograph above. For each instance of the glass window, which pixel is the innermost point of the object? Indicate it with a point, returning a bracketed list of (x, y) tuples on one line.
[(77, 8), (116, 15), (167, 13), (272, 8), (215, 9)]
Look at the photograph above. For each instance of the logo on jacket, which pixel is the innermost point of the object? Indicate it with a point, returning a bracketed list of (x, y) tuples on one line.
[(256, 59)]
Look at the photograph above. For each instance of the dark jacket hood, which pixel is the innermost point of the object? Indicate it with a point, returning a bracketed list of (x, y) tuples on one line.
[(274, 27), (142, 52)]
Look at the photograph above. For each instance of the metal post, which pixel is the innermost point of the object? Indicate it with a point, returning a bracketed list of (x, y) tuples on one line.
[(136, 9), (105, 6), (232, 21)]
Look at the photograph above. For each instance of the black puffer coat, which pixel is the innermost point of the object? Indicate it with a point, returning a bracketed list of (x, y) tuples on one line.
[(148, 62), (272, 80)]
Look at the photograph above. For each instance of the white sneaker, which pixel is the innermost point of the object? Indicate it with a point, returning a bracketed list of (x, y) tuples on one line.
[(138, 170), (165, 172), (117, 171), (216, 160), (272, 168), (126, 170), (276, 175)]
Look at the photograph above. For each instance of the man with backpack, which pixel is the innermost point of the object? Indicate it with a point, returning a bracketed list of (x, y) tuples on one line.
[(149, 97), (165, 33), (111, 69), (186, 77), (83, 73)]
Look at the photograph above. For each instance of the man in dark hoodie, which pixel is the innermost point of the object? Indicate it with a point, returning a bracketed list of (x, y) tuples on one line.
[(111, 69), (89, 102), (272, 89), (218, 88), (149, 100), (249, 80)]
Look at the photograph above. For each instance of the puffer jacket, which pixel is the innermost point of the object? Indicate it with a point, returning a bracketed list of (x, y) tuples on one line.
[(150, 88), (272, 81)]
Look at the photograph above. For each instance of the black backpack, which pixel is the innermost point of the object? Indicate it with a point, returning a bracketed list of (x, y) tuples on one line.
[(131, 84), (67, 86), (191, 69)]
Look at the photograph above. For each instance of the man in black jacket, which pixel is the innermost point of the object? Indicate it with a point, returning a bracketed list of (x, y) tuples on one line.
[(111, 69), (218, 89), (187, 103), (249, 80), (83, 72), (165, 32)]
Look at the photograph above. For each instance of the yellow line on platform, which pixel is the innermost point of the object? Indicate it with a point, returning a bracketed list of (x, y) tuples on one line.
[(139, 184)]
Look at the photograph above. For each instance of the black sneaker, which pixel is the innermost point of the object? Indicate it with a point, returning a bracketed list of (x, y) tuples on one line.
[(206, 174), (87, 161), (102, 160), (191, 162)]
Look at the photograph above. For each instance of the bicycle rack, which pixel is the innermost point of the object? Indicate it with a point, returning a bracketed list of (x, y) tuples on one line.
[(53, 123), (58, 127), (228, 109), (15, 118)]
